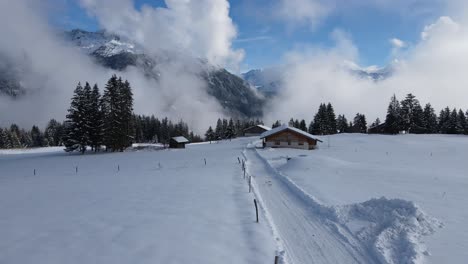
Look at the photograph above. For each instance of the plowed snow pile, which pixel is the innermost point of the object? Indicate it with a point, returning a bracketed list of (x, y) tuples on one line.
[(391, 229)]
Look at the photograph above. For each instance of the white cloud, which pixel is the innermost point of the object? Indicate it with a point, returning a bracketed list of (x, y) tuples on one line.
[(202, 28), (442, 26), (434, 69), (304, 12), (312, 13), (397, 43)]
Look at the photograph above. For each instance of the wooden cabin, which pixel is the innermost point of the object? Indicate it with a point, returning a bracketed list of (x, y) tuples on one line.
[(289, 137), (255, 130), (178, 142)]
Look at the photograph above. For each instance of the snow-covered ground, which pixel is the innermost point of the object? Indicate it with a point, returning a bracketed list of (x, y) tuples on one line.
[(424, 179), (359, 199), (162, 206)]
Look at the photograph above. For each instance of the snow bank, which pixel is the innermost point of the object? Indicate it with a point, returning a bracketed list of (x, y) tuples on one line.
[(391, 228), (30, 151)]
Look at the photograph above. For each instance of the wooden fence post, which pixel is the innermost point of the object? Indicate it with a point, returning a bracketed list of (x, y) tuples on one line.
[(250, 184), (238, 159), (76, 169), (205, 161), (276, 260), (256, 208), (34, 172)]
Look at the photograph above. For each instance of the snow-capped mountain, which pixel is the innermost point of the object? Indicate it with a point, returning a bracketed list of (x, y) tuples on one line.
[(374, 73), (269, 81), (101, 42)]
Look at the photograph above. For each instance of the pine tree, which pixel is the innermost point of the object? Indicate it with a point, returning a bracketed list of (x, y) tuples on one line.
[(429, 119), (466, 127), (117, 112), (376, 122), (393, 119), (210, 134), (320, 121), (331, 126), (342, 124), (461, 122), (276, 124), (311, 127), (229, 134), (2, 139), (37, 137), (6, 139), (303, 125), (126, 113), (53, 133), (95, 121), (452, 123), (76, 137), (219, 129), (360, 124), (444, 121)]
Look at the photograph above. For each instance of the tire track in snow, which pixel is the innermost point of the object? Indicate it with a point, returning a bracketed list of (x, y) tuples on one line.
[(307, 235)]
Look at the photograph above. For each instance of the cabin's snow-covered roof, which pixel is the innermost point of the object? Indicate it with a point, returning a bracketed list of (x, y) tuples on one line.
[(180, 139), (286, 127), (265, 127), (260, 126)]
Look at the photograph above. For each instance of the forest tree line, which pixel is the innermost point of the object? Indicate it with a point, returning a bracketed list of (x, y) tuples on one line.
[(96, 120), (406, 116)]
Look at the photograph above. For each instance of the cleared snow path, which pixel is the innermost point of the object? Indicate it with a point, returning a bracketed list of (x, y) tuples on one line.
[(307, 234)]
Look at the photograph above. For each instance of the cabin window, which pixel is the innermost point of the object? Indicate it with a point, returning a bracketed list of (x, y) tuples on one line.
[(277, 142), (289, 142), (301, 143)]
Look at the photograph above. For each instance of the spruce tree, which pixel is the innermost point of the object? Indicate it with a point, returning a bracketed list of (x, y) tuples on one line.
[(37, 137), (461, 122), (76, 137), (303, 125), (429, 119), (331, 126), (210, 134), (219, 129), (342, 124), (320, 121), (311, 127), (276, 124), (117, 112), (95, 121), (444, 121), (452, 124), (229, 134), (126, 114), (411, 115), (2, 139), (393, 118), (360, 124), (53, 133)]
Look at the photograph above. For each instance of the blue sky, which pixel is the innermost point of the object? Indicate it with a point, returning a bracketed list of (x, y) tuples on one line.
[(266, 39)]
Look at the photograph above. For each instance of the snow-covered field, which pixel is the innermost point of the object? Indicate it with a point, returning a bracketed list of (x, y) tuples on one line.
[(359, 199), (424, 179), (135, 207)]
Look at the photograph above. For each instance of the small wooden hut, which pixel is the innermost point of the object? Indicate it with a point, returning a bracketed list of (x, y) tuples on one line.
[(178, 142)]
